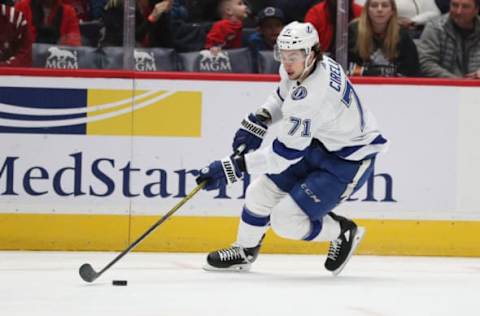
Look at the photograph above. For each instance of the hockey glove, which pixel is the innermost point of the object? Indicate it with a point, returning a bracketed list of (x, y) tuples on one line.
[(222, 172), (251, 133)]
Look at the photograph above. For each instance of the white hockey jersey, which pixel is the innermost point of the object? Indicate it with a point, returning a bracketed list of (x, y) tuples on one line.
[(325, 107)]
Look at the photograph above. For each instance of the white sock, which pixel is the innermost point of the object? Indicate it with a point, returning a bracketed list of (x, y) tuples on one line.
[(330, 229), (249, 236)]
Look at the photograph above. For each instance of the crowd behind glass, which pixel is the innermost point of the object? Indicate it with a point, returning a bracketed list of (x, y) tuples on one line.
[(391, 38)]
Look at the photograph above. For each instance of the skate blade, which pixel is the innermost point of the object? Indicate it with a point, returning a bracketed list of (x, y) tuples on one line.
[(234, 268), (356, 241)]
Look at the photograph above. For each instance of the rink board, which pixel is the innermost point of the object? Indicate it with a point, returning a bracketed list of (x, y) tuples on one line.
[(88, 163), (202, 234)]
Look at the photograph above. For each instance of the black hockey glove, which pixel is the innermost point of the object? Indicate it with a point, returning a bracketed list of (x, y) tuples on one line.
[(252, 131), (222, 172)]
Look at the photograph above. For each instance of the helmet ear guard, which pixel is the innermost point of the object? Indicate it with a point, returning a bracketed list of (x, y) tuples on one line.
[(310, 58)]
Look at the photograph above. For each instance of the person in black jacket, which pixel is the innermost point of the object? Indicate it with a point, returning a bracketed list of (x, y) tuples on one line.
[(378, 46), (152, 23), (112, 19)]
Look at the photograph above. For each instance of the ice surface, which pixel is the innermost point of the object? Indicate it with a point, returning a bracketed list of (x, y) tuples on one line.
[(47, 283)]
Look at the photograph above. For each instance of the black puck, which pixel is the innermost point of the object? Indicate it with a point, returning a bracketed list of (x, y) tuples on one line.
[(119, 282)]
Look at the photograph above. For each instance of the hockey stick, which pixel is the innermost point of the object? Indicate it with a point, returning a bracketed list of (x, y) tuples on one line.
[(87, 272)]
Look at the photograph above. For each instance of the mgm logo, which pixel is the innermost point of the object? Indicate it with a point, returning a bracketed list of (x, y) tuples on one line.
[(215, 63), (144, 61), (61, 58)]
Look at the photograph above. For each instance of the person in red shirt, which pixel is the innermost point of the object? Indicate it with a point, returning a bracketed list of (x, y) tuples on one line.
[(82, 9), (51, 21), (15, 42), (227, 33), (324, 17)]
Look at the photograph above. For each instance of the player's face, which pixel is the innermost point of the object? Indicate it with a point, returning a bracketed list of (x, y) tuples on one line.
[(293, 61), (239, 9), (463, 13), (380, 12), (270, 29)]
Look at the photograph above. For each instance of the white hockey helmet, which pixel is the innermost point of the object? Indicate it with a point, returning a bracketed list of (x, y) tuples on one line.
[(296, 35)]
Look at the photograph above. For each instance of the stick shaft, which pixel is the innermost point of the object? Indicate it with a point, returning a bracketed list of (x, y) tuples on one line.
[(152, 228)]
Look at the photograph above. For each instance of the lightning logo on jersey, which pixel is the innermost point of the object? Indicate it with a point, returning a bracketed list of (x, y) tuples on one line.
[(299, 93)]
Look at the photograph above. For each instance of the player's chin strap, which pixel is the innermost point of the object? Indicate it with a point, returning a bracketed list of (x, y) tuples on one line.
[(308, 67)]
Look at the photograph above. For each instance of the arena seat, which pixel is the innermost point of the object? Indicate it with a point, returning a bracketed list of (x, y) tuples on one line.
[(266, 63), (146, 59), (237, 60), (64, 57)]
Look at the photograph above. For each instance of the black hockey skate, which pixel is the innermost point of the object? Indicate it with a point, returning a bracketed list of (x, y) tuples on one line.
[(234, 258), (342, 248)]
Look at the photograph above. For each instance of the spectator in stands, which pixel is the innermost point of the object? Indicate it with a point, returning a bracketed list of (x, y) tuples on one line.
[(96, 9), (270, 23), (227, 33), (450, 45), (186, 36), (15, 41), (324, 17), (82, 8), (179, 10), (200, 11), (112, 18), (51, 21), (413, 14), (152, 24), (378, 46), (293, 10), (443, 5), (159, 21)]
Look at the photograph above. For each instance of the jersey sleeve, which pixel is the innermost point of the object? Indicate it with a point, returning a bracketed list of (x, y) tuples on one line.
[(273, 103)]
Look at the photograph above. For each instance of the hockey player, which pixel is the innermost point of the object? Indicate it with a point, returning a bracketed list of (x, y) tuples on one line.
[(324, 151)]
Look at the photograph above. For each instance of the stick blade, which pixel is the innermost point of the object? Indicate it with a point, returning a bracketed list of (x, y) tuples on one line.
[(87, 273)]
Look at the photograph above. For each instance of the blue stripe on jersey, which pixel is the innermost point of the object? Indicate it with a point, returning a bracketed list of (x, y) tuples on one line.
[(278, 93), (254, 219), (347, 151), (314, 231), (288, 153)]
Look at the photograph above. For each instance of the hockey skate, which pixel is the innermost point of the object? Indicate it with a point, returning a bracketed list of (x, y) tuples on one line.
[(234, 258), (342, 248)]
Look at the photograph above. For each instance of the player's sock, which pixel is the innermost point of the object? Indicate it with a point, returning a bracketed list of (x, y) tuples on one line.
[(252, 228), (342, 248)]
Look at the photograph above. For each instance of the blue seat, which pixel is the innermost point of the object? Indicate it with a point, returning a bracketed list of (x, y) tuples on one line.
[(64, 57), (237, 60), (145, 59), (266, 63)]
